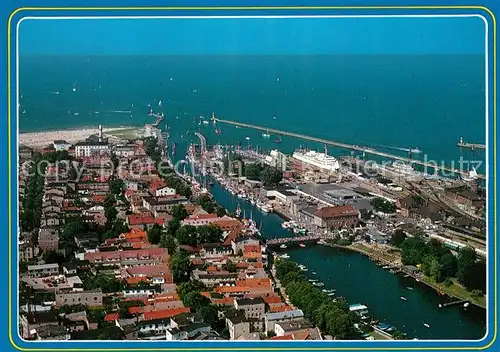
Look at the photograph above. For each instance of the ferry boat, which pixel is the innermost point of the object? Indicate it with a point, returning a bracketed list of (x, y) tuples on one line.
[(317, 160)]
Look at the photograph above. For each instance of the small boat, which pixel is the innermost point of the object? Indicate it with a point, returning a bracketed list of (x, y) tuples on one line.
[(403, 298), (313, 280), (314, 273), (266, 135), (427, 325), (466, 304), (329, 291), (409, 288), (285, 256), (283, 246), (301, 245), (330, 294), (318, 284)]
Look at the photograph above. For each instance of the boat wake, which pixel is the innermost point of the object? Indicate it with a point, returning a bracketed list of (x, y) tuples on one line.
[(117, 111)]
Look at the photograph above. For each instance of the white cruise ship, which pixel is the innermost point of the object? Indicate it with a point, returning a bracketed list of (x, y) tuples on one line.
[(322, 161)]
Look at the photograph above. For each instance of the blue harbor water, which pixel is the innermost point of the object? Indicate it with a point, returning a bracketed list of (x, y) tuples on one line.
[(381, 101)]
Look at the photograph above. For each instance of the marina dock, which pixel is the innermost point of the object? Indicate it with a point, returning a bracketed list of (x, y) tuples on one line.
[(353, 147)]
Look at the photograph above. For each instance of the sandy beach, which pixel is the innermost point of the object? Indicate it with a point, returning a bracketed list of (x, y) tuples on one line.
[(41, 139)]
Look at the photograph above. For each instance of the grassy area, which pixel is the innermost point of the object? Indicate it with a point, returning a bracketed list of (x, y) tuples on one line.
[(126, 133), (456, 290), (382, 255)]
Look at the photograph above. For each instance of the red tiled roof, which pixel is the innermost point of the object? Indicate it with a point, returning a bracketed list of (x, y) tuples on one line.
[(144, 219), (211, 268), (232, 235), (201, 217), (232, 289), (135, 310), (279, 309), (228, 224), (334, 211), (167, 313), (254, 282), (284, 337), (272, 299), (111, 317), (98, 198), (136, 280), (149, 270), (226, 301)]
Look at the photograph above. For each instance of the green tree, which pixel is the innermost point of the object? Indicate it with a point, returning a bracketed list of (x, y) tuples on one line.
[(154, 234), (383, 205), (179, 212), (230, 266), (167, 241), (195, 300), (398, 237), (181, 266), (449, 265), (271, 176), (190, 286), (252, 171), (209, 314), (116, 186), (52, 257), (207, 203), (465, 266), (109, 201)]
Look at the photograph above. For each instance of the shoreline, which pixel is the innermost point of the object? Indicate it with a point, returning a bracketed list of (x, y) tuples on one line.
[(428, 284), (43, 138)]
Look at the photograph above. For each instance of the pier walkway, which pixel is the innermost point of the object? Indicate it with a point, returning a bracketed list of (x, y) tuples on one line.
[(354, 147), (203, 142), (283, 240)]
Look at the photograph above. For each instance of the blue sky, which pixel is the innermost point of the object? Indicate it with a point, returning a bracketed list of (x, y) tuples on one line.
[(266, 36)]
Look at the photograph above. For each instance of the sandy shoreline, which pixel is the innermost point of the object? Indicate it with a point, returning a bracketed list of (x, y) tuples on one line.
[(41, 139)]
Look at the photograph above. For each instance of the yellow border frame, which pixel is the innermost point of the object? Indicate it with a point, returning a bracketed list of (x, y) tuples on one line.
[(173, 8)]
